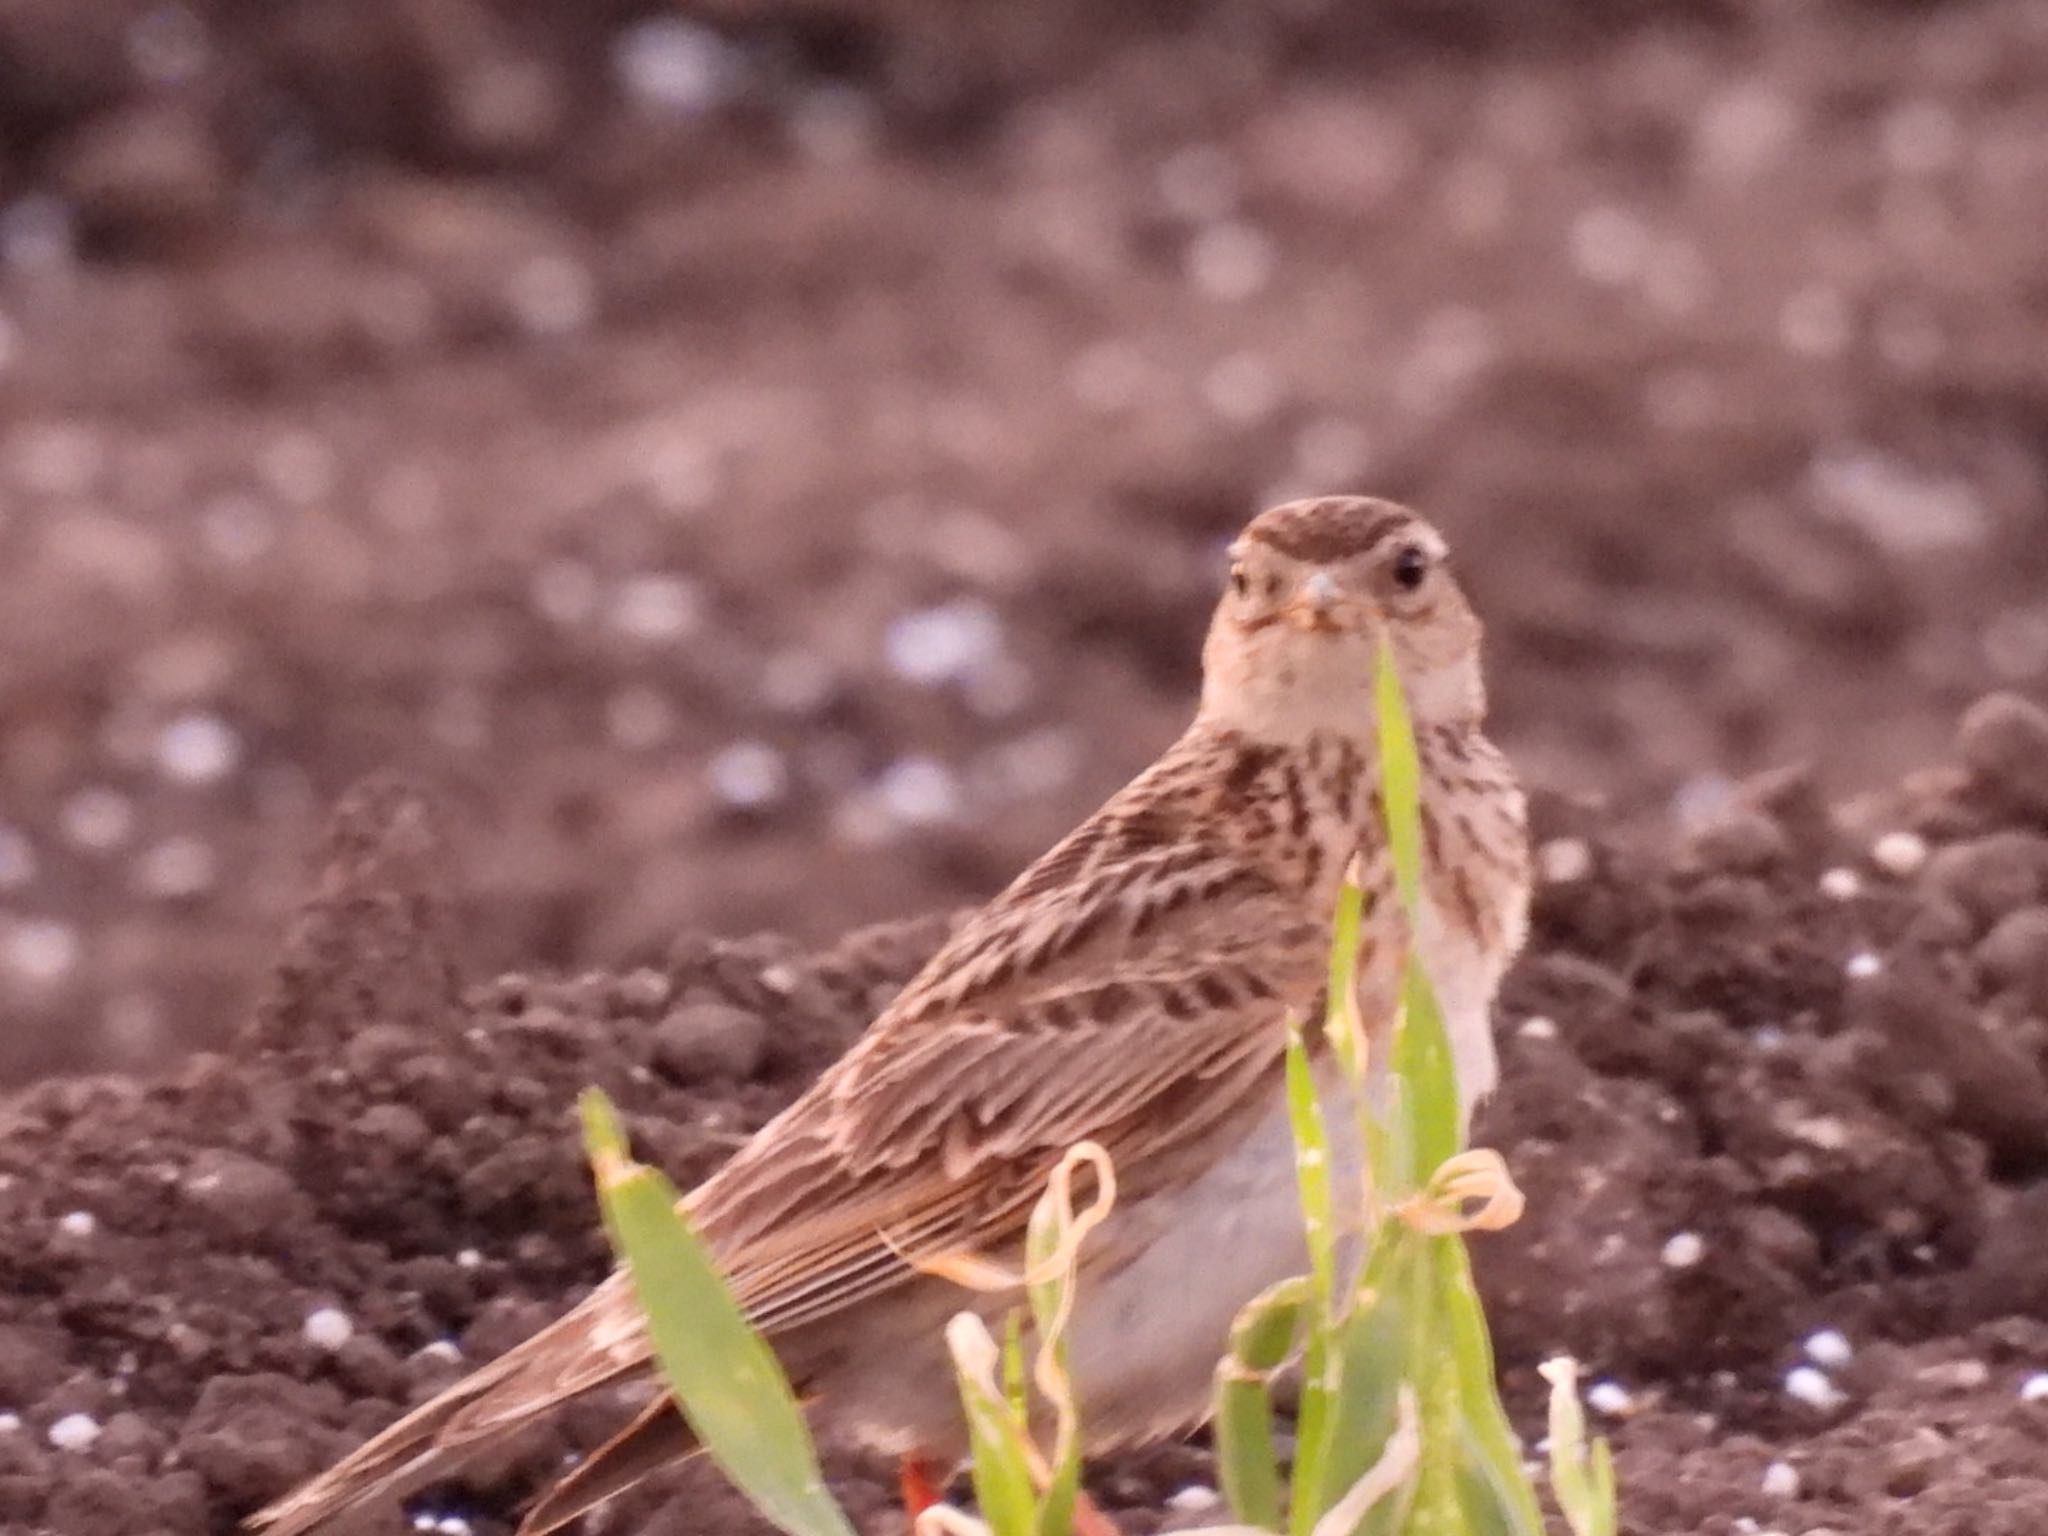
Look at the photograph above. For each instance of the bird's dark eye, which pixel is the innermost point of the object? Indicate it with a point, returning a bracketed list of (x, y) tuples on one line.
[(1411, 565), (1240, 583)]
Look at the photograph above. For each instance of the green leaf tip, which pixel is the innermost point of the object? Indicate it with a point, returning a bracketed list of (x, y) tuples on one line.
[(604, 1135)]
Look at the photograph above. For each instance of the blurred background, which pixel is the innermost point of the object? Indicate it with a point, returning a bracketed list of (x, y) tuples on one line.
[(767, 460)]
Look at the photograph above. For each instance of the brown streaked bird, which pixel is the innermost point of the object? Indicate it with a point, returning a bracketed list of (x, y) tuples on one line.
[(1130, 987)]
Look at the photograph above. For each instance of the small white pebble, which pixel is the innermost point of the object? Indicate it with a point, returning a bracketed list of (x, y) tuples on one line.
[(1824, 1131), (452, 1525), (1683, 1250), (97, 818), (41, 950), (177, 867), (1829, 1348), (1194, 1499), (748, 774), (1564, 860), (441, 1349), (1812, 1387), (329, 1328), (1841, 885), (1036, 763), (2035, 1388), (1781, 1480), (469, 1258), (1864, 965), (669, 65), (918, 792), (1610, 1398), (652, 607), (1702, 800), (1899, 853), (75, 1432), (10, 1423), (198, 749), (945, 644), (78, 1224), (1537, 1027)]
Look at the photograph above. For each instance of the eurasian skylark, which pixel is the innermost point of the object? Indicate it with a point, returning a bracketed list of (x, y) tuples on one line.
[(1129, 988)]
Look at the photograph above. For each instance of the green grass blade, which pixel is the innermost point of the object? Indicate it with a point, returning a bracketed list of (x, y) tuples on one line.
[(1415, 1334), (1311, 1165), (1439, 1507), (1491, 1448), (1314, 1420), (726, 1379), (996, 1435), (1400, 782), (1581, 1481), (1605, 1511), (1341, 1026), (1429, 1078), (1062, 1494), (1016, 1386), (1312, 1174), (1247, 1457), (1247, 1460)]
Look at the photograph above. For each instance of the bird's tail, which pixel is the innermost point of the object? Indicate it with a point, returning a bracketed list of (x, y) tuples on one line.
[(658, 1436), (602, 1340)]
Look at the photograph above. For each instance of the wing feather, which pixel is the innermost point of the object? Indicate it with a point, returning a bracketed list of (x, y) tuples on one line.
[(935, 1135)]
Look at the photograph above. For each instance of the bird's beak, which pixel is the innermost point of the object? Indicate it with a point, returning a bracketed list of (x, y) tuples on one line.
[(1318, 607)]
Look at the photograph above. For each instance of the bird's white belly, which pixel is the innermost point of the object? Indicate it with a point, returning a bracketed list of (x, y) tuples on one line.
[(1145, 1334), (1464, 977), (1145, 1340)]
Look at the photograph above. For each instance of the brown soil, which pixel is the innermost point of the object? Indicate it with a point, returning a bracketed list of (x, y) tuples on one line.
[(792, 506), (383, 383), (1763, 1089)]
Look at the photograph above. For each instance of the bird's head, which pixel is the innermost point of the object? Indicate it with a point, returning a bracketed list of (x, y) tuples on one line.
[(1315, 587)]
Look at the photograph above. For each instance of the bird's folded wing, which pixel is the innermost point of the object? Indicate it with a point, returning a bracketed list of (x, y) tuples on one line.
[(936, 1136)]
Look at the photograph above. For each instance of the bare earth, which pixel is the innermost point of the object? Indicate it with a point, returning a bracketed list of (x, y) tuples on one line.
[(777, 486)]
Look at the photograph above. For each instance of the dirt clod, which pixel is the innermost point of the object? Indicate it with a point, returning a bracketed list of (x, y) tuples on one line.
[(710, 1042), (1745, 1112), (2004, 742), (2014, 956)]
